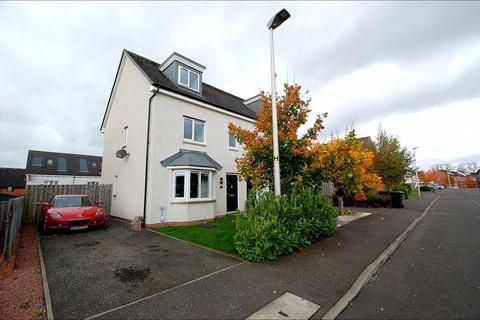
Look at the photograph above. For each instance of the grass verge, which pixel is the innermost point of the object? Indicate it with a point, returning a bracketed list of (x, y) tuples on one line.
[(217, 234)]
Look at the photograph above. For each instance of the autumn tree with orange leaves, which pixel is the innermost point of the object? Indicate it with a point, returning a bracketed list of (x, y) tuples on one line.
[(344, 162), (256, 165)]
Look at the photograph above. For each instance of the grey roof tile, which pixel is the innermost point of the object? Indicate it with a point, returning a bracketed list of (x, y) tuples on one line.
[(73, 166), (191, 158), (210, 94)]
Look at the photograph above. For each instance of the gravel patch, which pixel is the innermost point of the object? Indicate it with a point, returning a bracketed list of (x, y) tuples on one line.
[(21, 291)]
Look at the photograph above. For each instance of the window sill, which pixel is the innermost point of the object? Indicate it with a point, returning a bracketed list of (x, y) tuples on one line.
[(175, 201), (195, 143), (233, 149)]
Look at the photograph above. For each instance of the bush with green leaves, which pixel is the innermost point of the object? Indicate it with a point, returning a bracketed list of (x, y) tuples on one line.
[(276, 225), (381, 199)]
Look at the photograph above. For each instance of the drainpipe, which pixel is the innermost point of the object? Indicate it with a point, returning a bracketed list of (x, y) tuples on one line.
[(147, 147)]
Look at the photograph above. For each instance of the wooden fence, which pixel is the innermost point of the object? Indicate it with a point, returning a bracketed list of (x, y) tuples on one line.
[(11, 213), (328, 189), (35, 195)]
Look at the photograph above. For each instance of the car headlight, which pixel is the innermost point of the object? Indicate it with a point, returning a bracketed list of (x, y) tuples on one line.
[(55, 215), (100, 212)]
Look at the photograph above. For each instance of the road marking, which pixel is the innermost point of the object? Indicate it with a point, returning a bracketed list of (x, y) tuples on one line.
[(372, 269), (164, 291), (287, 306)]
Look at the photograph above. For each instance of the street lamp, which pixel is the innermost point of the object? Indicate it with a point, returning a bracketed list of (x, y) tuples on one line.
[(416, 169), (274, 23)]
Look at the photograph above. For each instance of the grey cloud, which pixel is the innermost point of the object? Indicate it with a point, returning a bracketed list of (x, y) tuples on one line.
[(465, 87), (399, 32), (58, 59)]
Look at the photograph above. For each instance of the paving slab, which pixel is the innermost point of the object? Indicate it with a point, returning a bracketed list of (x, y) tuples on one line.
[(321, 273), (93, 271)]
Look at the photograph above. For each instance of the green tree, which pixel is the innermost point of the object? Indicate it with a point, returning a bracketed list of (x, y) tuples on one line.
[(392, 162)]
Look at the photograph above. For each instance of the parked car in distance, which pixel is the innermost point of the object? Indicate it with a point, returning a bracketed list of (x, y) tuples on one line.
[(433, 186), (71, 212)]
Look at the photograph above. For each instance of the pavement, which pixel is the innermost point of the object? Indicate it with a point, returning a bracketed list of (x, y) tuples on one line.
[(436, 273), (192, 282)]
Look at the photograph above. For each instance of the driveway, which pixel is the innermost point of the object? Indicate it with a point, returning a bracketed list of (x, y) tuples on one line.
[(94, 271)]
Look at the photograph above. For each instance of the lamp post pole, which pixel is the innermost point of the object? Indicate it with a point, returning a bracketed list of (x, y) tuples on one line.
[(416, 170), (276, 157), (274, 22)]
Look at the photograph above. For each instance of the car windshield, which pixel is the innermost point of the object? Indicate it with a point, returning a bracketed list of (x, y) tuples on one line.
[(63, 202)]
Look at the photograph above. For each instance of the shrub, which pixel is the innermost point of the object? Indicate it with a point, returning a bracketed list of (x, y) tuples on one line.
[(276, 225), (425, 188), (380, 199)]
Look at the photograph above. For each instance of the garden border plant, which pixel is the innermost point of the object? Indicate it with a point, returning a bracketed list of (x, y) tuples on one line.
[(277, 225)]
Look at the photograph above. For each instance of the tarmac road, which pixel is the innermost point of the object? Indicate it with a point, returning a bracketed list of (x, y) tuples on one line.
[(435, 273)]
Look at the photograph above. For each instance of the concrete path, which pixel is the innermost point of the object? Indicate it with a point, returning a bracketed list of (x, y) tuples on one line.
[(436, 273), (320, 274)]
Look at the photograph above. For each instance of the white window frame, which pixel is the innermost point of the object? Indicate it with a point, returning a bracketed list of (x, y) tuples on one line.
[(192, 140), (186, 188), (125, 136), (197, 89), (235, 147), (174, 182)]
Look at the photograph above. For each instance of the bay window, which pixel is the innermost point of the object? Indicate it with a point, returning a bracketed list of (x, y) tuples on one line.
[(191, 184)]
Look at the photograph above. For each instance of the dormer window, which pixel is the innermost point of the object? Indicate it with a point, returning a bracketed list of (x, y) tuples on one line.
[(188, 78)]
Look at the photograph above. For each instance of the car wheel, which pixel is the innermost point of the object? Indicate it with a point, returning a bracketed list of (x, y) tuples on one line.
[(42, 227)]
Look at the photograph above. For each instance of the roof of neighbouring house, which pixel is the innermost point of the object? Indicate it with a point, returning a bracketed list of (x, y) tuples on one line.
[(12, 177), (47, 163), (365, 141), (210, 94), (191, 158)]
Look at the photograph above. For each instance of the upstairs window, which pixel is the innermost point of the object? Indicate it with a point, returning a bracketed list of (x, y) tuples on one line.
[(37, 161), (62, 164), (194, 130), (188, 78), (50, 162), (232, 142), (83, 165)]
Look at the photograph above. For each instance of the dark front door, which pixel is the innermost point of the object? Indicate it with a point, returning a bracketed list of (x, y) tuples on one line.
[(232, 192)]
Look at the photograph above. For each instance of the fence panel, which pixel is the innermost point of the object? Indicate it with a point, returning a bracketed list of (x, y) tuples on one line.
[(37, 194), (11, 214), (328, 189)]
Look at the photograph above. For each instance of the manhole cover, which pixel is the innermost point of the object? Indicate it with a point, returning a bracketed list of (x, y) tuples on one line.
[(287, 306)]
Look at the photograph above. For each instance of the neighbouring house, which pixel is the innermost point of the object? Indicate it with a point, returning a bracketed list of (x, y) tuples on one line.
[(367, 143), (12, 182), (167, 150), (50, 168)]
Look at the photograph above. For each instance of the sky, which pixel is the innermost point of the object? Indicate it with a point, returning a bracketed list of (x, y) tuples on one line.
[(411, 67)]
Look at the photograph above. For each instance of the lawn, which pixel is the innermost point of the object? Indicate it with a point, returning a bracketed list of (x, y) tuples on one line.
[(217, 234)]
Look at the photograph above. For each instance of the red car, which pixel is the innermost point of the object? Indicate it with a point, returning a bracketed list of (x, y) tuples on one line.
[(71, 212)]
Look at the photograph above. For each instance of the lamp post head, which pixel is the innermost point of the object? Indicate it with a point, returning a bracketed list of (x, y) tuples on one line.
[(278, 19)]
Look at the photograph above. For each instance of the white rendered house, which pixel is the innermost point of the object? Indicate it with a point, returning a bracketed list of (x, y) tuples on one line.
[(167, 150)]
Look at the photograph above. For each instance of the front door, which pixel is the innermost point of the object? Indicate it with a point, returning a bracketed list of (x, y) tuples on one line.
[(232, 192)]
